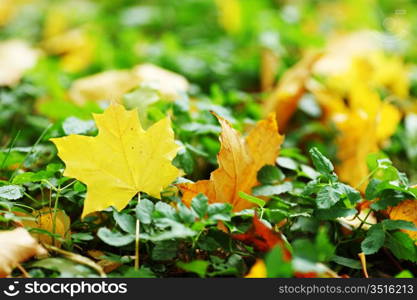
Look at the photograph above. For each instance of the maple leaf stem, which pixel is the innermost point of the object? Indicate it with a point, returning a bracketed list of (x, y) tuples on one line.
[(137, 240)]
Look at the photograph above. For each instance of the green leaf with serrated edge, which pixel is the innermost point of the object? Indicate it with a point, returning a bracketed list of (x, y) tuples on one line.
[(347, 262), (389, 198), (219, 211), (165, 210), (144, 211), (186, 215), (270, 190), (200, 205), (252, 199), (116, 239), (320, 162), (327, 197), (398, 224), (11, 192), (126, 222), (197, 266), (270, 175), (401, 245), (374, 240)]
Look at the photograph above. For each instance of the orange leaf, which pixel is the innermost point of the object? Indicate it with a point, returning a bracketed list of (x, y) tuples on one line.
[(407, 211), (239, 162), (263, 238)]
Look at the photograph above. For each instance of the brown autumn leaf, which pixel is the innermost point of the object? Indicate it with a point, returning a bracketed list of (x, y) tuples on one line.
[(239, 162), (285, 97), (407, 211), (16, 246)]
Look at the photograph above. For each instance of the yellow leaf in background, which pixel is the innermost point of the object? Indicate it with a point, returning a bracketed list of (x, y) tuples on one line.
[(343, 49), (169, 84), (16, 57), (63, 36), (359, 57), (269, 69), (258, 270), (364, 123), (9, 10), (291, 87), (16, 246), (357, 139), (407, 211), (230, 15), (75, 46), (44, 219), (239, 162), (122, 160), (108, 85), (391, 72), (113, 84)]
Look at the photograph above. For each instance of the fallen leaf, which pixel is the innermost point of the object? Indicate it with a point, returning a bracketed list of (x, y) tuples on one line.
[(169, 84), (285, 97), (44, 219), (230, 15), (239, 162), (407, 211), (108, 85), (122, 160), (269, 68), (107, 265), (263, 238), (16, 57), (258, 270), (16, 246)]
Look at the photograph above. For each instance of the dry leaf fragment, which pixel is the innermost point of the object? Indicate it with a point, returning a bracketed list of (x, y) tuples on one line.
[(16, 57), (169, 84), (108, 85), (122, 160), (239, 161), (16, 246)]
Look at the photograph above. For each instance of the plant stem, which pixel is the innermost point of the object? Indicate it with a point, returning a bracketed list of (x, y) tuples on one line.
[(58, 193), (137, 240)]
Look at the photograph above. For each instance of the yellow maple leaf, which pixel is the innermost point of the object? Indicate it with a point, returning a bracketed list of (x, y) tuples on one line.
[(122, 160), (239, 161)]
